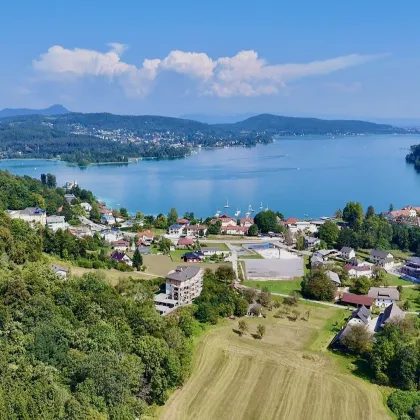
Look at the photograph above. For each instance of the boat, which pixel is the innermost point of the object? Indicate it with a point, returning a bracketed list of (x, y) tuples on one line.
[(227, 204), (237, 213), (261, 206), (266, 209), (217, 213), (247, 214), (250, 209)]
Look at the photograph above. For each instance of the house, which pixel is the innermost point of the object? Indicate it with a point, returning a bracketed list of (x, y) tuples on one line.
[(412, 268), (86, 207), (81, 231), (57, 222), (111, 235), (175, 230), (183, 222), (121, 245), (382, 259), (311, 242), (407, 211), (334, 277), (108, 219), (234, 230), (146, 237), (225, 221), (357, 300), (193, 257), (347, 253), (246, 222), (195, 230), (182, 286), (105, 212), (69, 197), (317, 262), (361, 316), (185, 242), (290, 221), (254, 309), (70, 184), (384, 296), (60, 271), (392, 313), (359, 270), (208, 251), (30, 215), (121, 257)]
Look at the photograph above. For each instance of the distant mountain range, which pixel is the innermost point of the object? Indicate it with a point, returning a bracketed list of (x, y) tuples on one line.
[(17, 112)]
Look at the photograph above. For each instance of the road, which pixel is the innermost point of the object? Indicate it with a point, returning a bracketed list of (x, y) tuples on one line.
[(234, 259)]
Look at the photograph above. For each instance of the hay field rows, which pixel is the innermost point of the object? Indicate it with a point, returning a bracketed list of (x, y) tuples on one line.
[(243, 378)]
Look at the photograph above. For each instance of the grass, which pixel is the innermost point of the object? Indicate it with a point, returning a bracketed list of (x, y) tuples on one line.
[(177, 254), (221, 246), (278, 377), (412, 295), (276, 286), (396, 281), (251, 257)]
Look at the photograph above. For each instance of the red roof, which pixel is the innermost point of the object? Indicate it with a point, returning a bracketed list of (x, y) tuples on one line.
[(291, 220), (121, 243), (185, 241), (357, 299), (238, 228), (183, 221), (349, 267), (247, 219), (147, 233), (196, 227)]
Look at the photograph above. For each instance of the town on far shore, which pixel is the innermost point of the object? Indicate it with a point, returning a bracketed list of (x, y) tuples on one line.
[(262, 248)]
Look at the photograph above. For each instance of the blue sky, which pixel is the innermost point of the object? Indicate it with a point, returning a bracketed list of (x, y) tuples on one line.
[(324, 58)]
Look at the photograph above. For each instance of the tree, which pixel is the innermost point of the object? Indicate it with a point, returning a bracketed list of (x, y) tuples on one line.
[(353, 215), (137, 259), (400, 290), (51, 181), (260, 330), (43, 179), (406, 305), (317, 285), (361, 285), (249, 294), (329, 233), (123, 212), (253, 230), (243, 326), (172, 216), (296, 314), (357, 339), (214, 228), (165, 245), (288, 237), (338, 214), (370, 212), (391, 208), (300, 242), (189, 215), (94, 213), (266, 221), (379, 276), (264, 298), (225, 274)]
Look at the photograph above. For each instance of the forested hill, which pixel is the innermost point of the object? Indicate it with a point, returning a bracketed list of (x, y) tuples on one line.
[(16, 112), (103, 137)]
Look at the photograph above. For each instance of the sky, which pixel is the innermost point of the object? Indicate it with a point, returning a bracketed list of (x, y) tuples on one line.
[(353, 59)]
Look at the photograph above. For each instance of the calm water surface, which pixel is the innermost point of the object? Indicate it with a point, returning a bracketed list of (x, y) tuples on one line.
[(298, 176)]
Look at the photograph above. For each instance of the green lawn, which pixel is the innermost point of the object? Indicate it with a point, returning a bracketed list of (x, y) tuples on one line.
[(276, 286), (221, 246), (396, 281), (177, 254), (413, 296), (251, 257)]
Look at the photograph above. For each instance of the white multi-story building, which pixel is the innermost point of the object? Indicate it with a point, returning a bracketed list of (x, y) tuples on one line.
[(57, 222), (382, 259), (384, 296), (30, 215)]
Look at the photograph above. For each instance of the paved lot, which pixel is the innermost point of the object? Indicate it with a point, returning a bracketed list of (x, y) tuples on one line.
[(274, 269)]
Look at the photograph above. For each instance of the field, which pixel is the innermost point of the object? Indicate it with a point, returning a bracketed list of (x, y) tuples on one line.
[(276, 286), (413, 296), (286, 375)]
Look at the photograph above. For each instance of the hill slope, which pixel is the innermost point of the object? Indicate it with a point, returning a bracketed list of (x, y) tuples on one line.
[(52, 110)]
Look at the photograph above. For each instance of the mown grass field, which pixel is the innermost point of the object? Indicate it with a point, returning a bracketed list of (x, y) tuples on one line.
[(286, 375), (276, 286)]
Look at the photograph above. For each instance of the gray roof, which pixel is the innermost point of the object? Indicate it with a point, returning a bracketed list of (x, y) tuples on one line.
[(183, 273), (384, 293), (414, 260), (379, 253), (362, 313), (346, 249), (333, 277), (392, 312), (176, 226), (32, 211), (55, 219), (58, 268)]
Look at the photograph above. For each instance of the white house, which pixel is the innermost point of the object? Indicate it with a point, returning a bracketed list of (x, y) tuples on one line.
[(225, 220), (86, 207), (384, 296), (146, 237), (234, 230), (347, 253), (69, 197), (361, 316), (121, 245), (382, 259), (30, 215), (57, 222), (108, 219), (208, 251), (175, 230), (246, 222), (356, 271), (121, 257), (111, 235), (195, 230), (60, 271), (299, 226)]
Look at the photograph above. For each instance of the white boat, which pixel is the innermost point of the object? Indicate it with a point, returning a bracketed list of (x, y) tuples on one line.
[(237, 213), (227, 204), (247, 214), (261, 206), (217, 213), (251, 209), (266, 209)]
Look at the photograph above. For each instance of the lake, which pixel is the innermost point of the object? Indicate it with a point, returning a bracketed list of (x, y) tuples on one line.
[(299, 176)]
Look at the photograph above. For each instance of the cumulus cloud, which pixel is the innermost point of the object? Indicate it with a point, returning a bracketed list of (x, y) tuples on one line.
[(244, 74)]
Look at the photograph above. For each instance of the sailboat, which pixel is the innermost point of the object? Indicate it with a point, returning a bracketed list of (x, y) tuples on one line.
[(227, 204), (217, 213), (261, 206), (250, 209), (237, 212), (247, 214)]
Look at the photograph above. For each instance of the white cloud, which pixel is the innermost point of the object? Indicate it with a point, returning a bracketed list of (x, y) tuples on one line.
[(244, 74)]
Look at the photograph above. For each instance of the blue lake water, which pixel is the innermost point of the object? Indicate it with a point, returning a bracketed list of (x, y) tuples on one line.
[(297, 176)]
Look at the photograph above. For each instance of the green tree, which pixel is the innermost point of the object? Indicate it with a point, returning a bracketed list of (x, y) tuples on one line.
[(225, 274), (338, 214), (214, 228), (317, 285), (406, 305), (264, 298), (353, 215), (165, 245), (172, 216), (361, 285), (137, 259), (266, 221), (329, 233), (370, 212), (243, 326), (123, 212), (51, 181), (253, 230), (261, 330), (161, 222), (300, 242), (357, 339), (94, 213)]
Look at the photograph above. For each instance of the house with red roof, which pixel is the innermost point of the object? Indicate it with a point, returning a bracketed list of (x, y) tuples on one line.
[(234, 230), (225, 220), (246, 222), (184, 222), (185, 242), (357, 300), (291, 221), (145, 238)]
